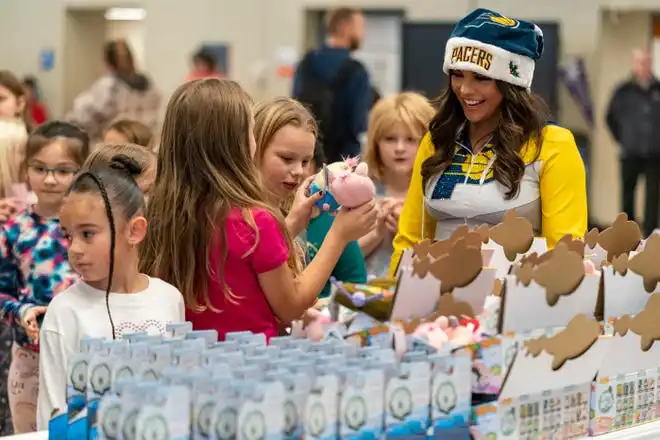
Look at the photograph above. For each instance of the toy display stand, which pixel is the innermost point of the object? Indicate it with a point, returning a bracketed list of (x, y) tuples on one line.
[(650, 431)]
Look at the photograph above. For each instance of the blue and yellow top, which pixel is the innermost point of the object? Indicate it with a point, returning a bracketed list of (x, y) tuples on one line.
[(552, 194)]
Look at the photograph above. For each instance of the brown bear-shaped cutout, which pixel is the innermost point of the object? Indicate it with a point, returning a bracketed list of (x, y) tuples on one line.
[(646, 263), (515, 235), (421, 266), (457, 268), (622, 237), (484, 233), (449, 306), (439, 248), (581, 333), (525, 273), (591, 238), (620, 264), (498, 285), (561, 274), (535, 259), (574, 245), (644, 324)]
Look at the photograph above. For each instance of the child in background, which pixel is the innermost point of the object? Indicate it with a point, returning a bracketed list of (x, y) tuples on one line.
[(396, 126), (285, 133), (126, 131), (103, 154), (36, 108), (103, 219), (13, 99), (33, 257), (13, 136), (213, 233)]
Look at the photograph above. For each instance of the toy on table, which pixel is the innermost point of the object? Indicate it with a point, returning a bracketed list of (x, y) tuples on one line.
[(373, 298), (345, 183), (448, 330)]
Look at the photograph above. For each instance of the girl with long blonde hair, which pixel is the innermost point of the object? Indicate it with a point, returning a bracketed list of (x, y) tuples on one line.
[(214, 234), (286, 136)]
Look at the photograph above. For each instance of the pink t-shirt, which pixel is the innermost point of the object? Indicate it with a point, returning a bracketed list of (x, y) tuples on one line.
[(248, 309)]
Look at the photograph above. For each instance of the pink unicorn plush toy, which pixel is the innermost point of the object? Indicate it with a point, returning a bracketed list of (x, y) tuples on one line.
[(348, 185)]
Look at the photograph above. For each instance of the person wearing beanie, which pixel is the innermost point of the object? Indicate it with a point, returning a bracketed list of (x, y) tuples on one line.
[(491, 146)]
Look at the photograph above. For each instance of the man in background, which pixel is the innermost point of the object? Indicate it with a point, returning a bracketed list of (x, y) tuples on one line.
[(633, 118), (204, 66), (336, 87)]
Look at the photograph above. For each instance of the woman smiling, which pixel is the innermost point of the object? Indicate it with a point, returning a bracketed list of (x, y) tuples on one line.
[(491, 146)]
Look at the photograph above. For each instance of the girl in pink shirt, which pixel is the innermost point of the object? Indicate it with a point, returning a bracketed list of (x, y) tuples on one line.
[(214, 236)]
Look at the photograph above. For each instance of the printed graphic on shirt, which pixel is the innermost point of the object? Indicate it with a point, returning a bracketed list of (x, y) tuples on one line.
[(465, 168), (150, 326)]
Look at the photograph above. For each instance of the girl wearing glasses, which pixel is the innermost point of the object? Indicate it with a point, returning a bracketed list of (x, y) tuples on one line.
[(33, 257)]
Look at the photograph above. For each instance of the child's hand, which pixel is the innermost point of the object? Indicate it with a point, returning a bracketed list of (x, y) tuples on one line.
[(384, 211), (302, 208), (392, 219), (30, 324), (351, 224), (7, 209)]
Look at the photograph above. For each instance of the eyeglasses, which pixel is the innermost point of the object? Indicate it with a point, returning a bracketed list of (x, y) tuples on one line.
[(58, 173)]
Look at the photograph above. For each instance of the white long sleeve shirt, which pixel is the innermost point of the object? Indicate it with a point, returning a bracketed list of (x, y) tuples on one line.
[(80, 312)]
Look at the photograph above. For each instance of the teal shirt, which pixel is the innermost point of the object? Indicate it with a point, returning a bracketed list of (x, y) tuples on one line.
[(351, 267)]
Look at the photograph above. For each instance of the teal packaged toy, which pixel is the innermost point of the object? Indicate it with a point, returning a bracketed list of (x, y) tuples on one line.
[(178, 330), (166, 419), (361, 406), (214, 409), (407, 400), (320, 416), (261, 415), (210, 337), (297, 386)]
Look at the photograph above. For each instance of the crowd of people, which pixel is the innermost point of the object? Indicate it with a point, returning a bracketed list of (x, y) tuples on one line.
[(114, 224)]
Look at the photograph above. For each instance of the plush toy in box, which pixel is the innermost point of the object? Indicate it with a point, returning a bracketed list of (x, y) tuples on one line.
[(345, 183)]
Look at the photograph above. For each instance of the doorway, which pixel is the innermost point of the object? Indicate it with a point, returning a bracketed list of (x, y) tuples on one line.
[(86, 31), (423, 57)]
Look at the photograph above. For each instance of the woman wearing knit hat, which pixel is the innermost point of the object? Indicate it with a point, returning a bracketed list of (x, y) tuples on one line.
[(491, 147)]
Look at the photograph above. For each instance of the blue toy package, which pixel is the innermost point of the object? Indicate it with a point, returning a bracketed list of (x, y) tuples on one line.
[(320, 415), (451, 391), (407, 400), (297, 386), (168, 418), (160, 356), (178, 330), (99, 377), (214, 410), (261, 415), (361, 406), (210, 337), (74, 424)]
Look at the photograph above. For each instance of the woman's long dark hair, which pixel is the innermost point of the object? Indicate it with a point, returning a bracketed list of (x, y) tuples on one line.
[(522, 117)]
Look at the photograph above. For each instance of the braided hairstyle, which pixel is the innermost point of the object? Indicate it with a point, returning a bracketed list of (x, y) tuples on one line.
[(121, 195)]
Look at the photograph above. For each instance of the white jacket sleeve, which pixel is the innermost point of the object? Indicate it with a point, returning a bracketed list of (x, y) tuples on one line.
[(54, 357)]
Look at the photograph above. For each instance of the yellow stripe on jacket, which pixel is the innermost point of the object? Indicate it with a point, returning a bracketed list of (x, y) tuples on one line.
[(562, 187)]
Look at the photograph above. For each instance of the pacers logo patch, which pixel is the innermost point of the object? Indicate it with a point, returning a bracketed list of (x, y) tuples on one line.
[(493, 20), (504, 21), (473, 55)]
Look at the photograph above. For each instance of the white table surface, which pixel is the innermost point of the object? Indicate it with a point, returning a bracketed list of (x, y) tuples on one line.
[(650, 431)]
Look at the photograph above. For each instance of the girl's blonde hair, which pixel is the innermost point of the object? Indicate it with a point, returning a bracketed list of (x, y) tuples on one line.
[(205, 169), (13, 136), (410, 109), (135, 131), (269, 118)]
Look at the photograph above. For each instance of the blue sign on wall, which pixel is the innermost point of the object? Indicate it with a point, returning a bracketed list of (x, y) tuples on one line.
[(47, 59)]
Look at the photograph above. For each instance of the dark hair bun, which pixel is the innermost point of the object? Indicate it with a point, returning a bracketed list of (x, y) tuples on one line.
[(128, 165)]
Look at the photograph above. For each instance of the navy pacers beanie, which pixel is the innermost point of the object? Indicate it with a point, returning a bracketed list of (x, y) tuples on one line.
[(495, 46)]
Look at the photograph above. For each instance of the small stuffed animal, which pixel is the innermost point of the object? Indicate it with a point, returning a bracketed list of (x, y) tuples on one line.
[(348, 183)]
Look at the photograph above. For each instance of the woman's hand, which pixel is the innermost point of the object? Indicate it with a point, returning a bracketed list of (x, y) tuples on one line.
[(7, 209), (302, 208), (351, 224)]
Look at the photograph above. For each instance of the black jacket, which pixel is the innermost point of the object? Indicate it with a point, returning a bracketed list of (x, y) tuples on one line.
[(633, 118)]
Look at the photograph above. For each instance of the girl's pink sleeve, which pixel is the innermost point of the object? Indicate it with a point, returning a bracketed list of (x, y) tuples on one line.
[(271, 251)]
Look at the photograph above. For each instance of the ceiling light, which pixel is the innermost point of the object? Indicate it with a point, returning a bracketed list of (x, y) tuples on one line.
[(125, 14)]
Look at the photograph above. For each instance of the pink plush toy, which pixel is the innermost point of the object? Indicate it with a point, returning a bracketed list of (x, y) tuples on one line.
[(352, 189), (448, 329), (347, 183), (433, 333), (313, 324)]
